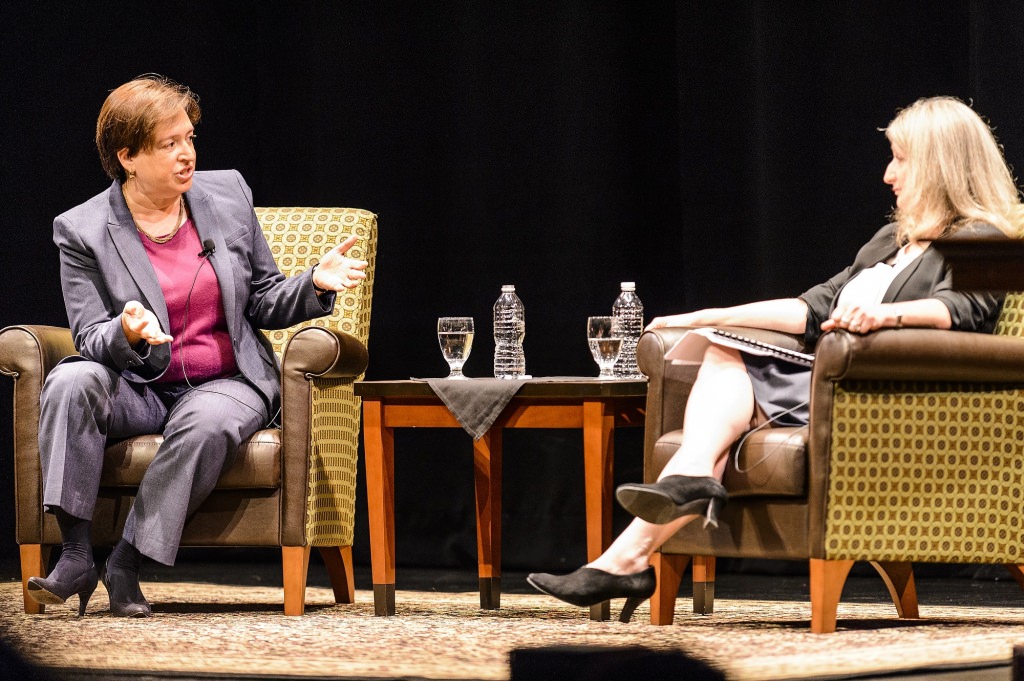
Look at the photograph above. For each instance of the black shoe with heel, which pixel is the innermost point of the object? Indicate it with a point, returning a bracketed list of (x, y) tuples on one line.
[(54, 591), (590, 586), (75, 572), (673, 497), (126, 599)]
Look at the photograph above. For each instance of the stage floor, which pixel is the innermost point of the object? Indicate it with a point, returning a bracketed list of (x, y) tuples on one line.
[(768, 610)]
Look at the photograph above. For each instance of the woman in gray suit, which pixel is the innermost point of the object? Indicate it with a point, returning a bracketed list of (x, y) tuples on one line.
[(167, 281)]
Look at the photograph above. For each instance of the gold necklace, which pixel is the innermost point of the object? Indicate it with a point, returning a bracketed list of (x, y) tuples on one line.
[(166, 237)]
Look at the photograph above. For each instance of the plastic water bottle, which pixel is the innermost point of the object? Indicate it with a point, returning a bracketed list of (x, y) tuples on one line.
[(509, 330), (628, 312)]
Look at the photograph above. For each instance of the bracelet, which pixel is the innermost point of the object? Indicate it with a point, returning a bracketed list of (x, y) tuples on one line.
[(319, 291)]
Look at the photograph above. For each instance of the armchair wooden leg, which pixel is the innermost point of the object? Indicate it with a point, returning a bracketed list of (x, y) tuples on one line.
[(1017, 571), (827, 580), (668, 568), (338, 560), (899, 579), (34, 558), (703, 585), (295, 564)]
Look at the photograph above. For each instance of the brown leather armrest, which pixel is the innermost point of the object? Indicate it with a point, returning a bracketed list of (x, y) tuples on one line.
[(668, 385), (920, 355), (313, 352), (325, 353), (30, 351), (910, 355), (27, 353), (655, 343)]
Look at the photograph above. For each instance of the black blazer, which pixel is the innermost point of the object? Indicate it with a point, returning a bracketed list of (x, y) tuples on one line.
[(927, 276)]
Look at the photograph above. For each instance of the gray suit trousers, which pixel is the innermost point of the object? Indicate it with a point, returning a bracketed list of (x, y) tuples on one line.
[(85, 404)]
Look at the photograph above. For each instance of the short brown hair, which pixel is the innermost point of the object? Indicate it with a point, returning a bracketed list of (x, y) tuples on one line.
[(131, 113)]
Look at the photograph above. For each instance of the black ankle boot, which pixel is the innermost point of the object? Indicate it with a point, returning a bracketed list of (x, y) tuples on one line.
[(74, 572), (121, 580), (673, 497), (590, 586), (57, 589)]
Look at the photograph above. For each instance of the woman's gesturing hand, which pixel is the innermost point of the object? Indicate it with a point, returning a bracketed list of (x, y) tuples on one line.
[(140, 324), (337, 271)]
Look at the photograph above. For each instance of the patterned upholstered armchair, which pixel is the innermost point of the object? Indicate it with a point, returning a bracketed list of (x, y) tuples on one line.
[(914, 453), (292, 487)]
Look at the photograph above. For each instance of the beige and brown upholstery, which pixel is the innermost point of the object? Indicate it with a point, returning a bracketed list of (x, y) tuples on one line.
[(914, 453), (292, 487)]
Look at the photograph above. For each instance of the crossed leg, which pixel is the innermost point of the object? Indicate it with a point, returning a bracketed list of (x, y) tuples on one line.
[(719, 410)]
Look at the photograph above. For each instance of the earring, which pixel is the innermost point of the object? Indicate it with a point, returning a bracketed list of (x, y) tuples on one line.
[(131, 174)]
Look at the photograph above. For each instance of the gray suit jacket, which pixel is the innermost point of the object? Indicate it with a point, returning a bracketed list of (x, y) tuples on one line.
[(103, 265)]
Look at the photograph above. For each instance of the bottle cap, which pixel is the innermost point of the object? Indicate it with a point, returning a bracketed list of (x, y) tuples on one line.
[(628, 286), (508, 288)]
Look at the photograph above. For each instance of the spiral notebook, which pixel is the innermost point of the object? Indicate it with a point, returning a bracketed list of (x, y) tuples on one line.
[(690, 348)]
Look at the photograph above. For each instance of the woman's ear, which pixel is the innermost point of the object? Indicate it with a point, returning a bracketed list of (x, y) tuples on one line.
[(127, 162)]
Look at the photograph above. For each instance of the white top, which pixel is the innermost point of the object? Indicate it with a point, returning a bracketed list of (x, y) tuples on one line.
[(870, 285)]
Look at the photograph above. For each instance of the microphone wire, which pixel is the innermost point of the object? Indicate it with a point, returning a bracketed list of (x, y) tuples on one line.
[(208, 250)]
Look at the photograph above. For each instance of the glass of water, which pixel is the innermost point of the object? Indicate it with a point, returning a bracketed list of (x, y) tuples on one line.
[(455, 335), (605, 343)]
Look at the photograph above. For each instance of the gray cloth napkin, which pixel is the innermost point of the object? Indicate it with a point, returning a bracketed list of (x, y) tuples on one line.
[(475, 402)]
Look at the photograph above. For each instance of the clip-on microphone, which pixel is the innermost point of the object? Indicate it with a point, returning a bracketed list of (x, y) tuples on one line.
[(208, 249)]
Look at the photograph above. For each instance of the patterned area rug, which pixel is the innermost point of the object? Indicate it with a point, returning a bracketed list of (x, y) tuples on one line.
[(206, 629)]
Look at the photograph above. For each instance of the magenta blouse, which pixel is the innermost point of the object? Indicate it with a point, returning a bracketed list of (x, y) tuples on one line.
[(201, 349)]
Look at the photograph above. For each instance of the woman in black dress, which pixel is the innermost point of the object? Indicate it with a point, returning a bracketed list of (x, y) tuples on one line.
[(948, 174)]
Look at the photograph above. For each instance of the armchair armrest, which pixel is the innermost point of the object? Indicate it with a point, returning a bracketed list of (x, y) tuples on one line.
[(27, 353), (668, 385), (909, 360), (324, 353), (920, 355), (30, 351), (319, 476), (654, 344)]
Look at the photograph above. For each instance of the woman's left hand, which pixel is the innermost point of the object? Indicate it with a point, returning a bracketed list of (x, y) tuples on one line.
[(856, 319), (336, 271)]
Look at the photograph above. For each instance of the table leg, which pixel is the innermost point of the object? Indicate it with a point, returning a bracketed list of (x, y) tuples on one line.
[(379, 446), (487, 485), (598, 465)]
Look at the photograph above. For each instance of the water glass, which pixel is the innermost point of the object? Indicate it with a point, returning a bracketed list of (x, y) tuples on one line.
[(455, 336), (605, 343)]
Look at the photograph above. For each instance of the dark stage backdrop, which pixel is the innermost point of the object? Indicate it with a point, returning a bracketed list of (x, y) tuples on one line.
[(713, 152)]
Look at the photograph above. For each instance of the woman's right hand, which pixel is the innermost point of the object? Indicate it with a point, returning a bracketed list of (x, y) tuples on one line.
[(140, 324), (686, 319)]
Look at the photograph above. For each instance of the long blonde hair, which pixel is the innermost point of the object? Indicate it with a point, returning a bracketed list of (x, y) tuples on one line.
[(957, 173)]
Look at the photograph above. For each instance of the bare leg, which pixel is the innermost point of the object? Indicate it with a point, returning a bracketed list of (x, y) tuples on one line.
[(721, 403), (719, 410)]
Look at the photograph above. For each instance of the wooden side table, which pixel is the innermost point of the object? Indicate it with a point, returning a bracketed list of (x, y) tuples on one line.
[(593, 405)]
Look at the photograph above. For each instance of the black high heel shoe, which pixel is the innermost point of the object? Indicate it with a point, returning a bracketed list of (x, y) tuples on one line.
[(126, 599), (673, 497), (54, 592), (589, 586)]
